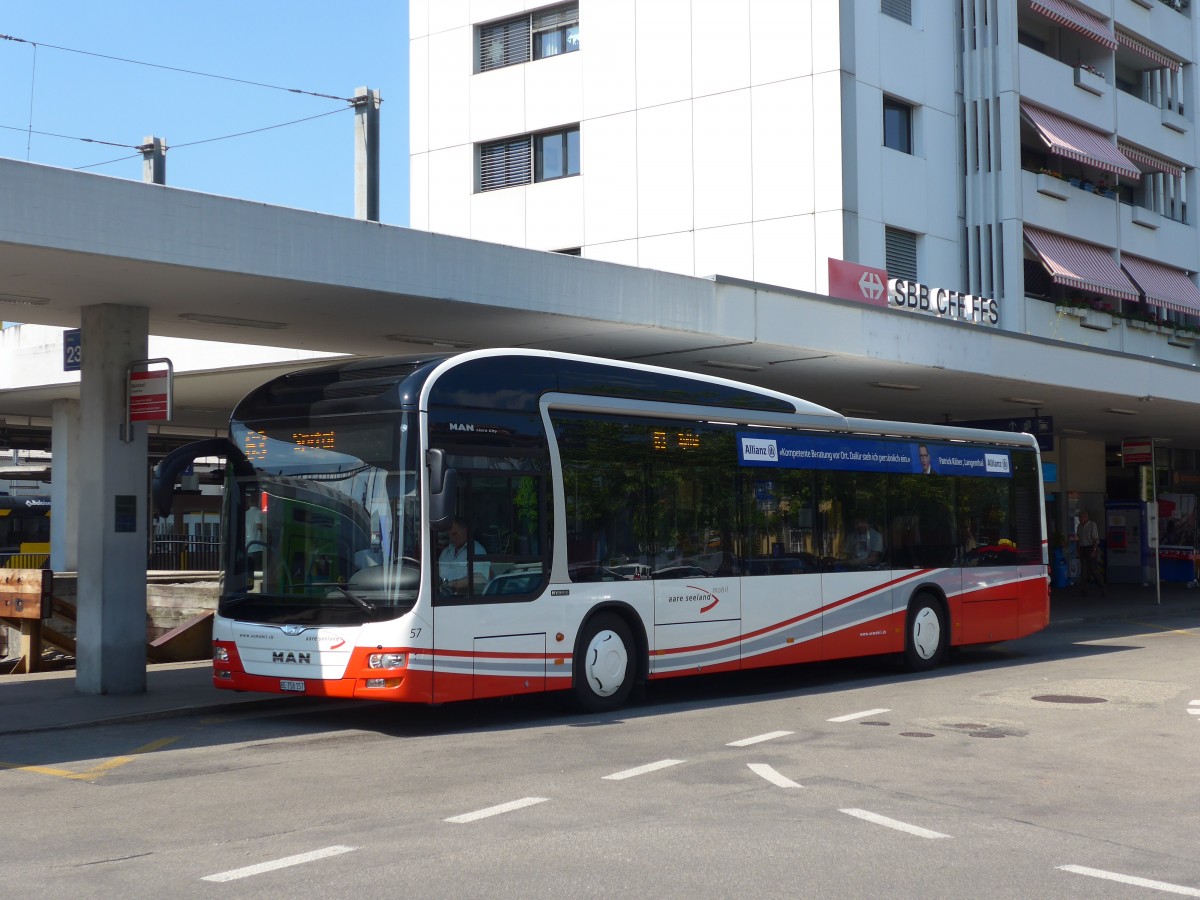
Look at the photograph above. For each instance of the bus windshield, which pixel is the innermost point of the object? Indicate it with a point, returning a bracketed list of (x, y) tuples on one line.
[(322, 524)]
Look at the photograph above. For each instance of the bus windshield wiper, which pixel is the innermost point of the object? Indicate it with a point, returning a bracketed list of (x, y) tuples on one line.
[(369, 607)]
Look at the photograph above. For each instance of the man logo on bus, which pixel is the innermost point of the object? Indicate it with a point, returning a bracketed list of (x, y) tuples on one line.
[(758, 448)]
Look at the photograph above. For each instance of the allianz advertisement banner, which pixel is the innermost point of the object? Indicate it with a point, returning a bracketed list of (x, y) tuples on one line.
[(851, 454)]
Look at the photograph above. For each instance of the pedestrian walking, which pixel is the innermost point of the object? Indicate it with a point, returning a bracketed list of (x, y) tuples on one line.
[(1088, 537)]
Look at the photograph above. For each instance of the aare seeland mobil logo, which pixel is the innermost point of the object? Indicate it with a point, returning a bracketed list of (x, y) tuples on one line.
[(706, 598)]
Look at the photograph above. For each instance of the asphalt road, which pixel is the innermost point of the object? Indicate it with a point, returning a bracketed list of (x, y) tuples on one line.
[(1063, 765)]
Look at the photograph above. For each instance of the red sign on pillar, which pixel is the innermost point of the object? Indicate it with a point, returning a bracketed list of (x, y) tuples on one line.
[(148, 393), (850, 281)]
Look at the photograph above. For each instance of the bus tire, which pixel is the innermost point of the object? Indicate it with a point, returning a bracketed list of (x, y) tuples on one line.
[(605, 663), (925, 633)]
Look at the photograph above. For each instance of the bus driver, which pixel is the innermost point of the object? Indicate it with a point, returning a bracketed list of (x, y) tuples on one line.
[(453, 561)]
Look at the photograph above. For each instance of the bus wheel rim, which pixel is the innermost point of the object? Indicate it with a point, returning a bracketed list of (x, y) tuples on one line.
[(606, 663), (926, 633)]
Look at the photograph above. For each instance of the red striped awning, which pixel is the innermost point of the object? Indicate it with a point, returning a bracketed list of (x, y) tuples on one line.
[(1143, 49), (1163, 286), (1079, 265), (1150, 160), (1077, 142), (1088, 24)]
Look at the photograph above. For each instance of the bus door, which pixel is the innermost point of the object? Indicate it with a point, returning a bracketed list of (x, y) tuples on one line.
[(989, 605), (858, 610), (781, 570)]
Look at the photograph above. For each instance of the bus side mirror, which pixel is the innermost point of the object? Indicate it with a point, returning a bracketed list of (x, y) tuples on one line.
[(162, 489), (443, 490)]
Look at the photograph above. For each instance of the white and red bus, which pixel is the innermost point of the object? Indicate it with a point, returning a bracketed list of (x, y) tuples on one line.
[(429, 529)]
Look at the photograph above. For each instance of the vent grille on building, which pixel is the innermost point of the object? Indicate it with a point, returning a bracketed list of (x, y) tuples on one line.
[(897, 9), (901, 252)]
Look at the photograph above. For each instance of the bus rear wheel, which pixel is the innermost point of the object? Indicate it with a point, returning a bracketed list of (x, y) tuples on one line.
[(605, 665), (926, 635)]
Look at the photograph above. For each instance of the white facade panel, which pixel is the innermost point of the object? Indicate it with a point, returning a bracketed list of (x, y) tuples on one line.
[(664, 173), (491, 10), (940, 155), (905, 190), (783, 148), (827, 37), (828, 160), (554, 214), (449, 97), (418, 95), (450, 190), (497, 216), (780, 41), (667, 253), (662, 52), (493, 112), (447, 15), (606, 37), (418, 18), (610, 179), (720, 46), (726, 251), (722, 159), (418, 191), (782, 251), (554, 92), (623, 253)]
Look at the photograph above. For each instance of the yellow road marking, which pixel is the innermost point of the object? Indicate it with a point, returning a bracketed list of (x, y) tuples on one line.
[(95, 771), (1165, 630)]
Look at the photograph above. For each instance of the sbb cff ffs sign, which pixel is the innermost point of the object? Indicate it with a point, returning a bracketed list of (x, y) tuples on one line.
[(865, 284)]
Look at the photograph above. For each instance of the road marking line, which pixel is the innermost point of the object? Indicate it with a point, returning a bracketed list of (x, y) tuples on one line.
[(858, 715), (298, 859), (642, 770), (765, 771), (95, 771), (495, 810), (1134, 880), (758, 739), (893, 823)]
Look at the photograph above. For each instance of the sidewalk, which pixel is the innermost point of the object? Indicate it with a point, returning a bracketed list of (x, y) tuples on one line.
[(49, 701)]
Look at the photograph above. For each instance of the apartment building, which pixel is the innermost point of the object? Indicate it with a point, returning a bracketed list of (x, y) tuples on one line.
[(1013, 150), (1037, 153)]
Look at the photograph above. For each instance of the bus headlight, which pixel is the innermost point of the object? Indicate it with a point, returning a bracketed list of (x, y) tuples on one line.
[(387, 660)]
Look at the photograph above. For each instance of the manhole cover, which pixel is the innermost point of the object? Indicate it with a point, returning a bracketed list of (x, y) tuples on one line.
[(1068, 698), (915, 734)]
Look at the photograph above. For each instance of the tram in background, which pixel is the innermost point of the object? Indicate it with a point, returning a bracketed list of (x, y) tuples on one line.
[(24, 532)]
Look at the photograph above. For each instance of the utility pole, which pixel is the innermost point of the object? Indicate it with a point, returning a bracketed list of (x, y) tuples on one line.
[(154, 160), (366, 154)]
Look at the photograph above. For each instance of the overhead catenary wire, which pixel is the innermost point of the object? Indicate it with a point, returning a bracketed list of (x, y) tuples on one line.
[(196, 72)]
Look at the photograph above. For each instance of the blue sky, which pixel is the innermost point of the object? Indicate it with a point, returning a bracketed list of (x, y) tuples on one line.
[(313, 45)]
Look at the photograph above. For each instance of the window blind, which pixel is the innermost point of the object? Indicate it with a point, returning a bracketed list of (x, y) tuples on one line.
[(505, 163), (504, 44), (897, 9)]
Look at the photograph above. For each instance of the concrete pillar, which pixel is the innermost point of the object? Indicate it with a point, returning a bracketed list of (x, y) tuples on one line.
[(366, 154), (154, 160), (64, 486), (111, 638)]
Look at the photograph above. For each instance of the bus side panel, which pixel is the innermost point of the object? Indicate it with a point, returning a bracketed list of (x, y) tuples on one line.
[(781, 620), (988, 605), (695, 647), (857, 619), (509, 664)]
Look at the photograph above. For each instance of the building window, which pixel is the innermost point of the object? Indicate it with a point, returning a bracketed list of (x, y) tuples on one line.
[(897, 9), (557, 154), (556, 32), (900, 249), (529, 158), (897, 125), (550, 32)]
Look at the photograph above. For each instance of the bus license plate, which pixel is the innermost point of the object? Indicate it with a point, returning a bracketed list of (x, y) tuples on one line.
[(297, 686)]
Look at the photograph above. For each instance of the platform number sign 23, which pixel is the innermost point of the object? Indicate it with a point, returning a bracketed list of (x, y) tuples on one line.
[(72, 350)]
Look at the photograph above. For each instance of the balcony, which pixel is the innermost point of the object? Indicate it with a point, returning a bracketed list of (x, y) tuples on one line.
[(1109, 331), (1066, 207), (1049, 83)]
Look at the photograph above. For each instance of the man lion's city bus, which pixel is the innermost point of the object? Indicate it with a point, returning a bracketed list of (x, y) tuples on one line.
[(500, 522)]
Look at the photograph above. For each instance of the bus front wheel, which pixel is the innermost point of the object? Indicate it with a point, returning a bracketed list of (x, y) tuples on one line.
[(604, 664), (926, 634)]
